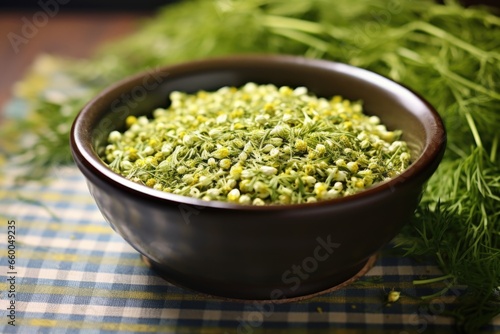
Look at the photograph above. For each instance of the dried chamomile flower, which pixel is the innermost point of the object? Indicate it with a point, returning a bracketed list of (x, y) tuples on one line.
[(257, 145)]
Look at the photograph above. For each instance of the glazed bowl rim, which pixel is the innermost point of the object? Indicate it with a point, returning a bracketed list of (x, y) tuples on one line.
[(85, 155)]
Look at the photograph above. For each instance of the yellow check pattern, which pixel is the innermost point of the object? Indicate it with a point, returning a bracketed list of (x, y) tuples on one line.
[(74, 274)]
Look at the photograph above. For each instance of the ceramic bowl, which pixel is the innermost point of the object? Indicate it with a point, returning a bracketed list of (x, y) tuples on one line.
[(276, 252)]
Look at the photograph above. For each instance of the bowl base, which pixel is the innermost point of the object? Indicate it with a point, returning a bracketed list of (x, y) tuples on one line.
[(366, 267)]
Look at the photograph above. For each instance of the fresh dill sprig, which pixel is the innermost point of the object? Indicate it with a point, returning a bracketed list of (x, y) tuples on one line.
[(458, 224)]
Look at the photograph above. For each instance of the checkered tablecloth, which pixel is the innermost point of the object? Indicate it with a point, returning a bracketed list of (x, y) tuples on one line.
[(75, 274)]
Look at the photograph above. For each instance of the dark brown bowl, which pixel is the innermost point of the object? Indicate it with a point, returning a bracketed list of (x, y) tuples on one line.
[(257, 252)]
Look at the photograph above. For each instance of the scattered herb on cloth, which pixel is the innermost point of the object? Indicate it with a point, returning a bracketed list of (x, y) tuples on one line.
[(447, 53), (258, 144)]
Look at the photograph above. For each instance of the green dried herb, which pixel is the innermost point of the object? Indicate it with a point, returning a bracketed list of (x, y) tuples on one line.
[(259, 144)]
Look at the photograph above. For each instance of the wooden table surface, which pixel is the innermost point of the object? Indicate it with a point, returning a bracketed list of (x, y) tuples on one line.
[(72, 34)]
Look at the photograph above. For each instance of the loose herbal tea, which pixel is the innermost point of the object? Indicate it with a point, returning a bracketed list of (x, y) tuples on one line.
[(259, 144)]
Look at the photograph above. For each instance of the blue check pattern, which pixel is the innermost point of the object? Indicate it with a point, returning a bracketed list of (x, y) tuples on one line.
[(76, 275)]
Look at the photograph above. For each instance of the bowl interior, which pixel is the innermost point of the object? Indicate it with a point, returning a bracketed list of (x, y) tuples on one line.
[(397, 106)]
